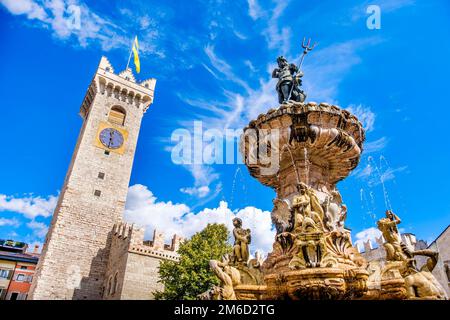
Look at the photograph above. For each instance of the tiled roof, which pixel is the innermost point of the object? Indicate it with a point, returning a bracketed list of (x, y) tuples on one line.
[(22, 257)]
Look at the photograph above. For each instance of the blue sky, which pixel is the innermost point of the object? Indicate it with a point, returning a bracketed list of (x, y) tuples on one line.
[(213, 60)]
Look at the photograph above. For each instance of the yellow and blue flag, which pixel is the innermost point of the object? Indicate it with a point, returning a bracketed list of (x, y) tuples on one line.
[(135, 50)]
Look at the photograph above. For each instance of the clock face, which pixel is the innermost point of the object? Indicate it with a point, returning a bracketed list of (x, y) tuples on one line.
[(111, 138)]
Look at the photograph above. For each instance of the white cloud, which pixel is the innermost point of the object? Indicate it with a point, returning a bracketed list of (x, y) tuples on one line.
[(223, 67), (204, 177), (9, 222), (39, 228), (200, 192), (276, 37), (370, 234), (143, 209), (326, 67), (364, 114), (387, 6), (30, 206), (375, 174), (389, 173), (28, 7), (254, 10), (67, 18)]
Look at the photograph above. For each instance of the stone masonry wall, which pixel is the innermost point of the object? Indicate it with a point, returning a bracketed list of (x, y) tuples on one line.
[(76, 250)]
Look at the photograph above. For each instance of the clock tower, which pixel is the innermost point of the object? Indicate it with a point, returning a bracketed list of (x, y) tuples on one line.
[(76, 249)]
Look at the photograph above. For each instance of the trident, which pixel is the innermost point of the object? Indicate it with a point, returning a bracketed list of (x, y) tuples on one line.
[(306, 48)]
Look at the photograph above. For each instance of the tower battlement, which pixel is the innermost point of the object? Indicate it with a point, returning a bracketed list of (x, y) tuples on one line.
[(133, 236), (122, 86)]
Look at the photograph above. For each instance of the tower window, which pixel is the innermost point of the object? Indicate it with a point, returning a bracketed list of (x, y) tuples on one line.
[(117, 115), (97, 193), (107, 69), (107, 152), (101, 175)]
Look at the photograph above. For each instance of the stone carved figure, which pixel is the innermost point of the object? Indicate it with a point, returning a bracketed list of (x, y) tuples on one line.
[(242, 238), (254, 269), (401, 272), (308, 229), (336, 212), (289, 81), (236, 271), (281, 215), (393, 242), (421, 284), (308, 213), (229, 277)]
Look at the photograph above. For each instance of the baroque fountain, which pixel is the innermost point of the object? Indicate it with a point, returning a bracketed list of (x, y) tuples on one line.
[(302, 150)]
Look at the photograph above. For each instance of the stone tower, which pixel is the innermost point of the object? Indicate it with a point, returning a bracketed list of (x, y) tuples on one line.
[(92, 200)]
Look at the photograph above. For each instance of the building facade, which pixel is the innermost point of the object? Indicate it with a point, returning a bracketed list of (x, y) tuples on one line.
[(132, 271), (17, 268), (89, 252)]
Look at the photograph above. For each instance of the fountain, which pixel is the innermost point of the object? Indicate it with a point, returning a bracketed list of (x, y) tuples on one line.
[(302, 150), (312, 256)]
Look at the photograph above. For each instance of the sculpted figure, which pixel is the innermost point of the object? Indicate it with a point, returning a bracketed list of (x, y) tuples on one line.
[(289, 80), (308, 213), (389, 230), (281, 215), (336, 212), (422, 284), (308, 229), (228, 276), (242, 239)]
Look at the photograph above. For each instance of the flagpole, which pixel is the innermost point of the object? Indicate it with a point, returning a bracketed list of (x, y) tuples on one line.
[(129, 58)]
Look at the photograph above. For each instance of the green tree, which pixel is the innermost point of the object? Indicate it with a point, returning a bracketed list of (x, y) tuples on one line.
[(192, 275)]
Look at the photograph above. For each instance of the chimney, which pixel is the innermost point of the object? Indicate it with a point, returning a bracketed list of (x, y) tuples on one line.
[(36, 249), (367, 246)]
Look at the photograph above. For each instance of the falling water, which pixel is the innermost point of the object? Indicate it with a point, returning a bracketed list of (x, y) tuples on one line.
[(394, 180), (368, 207), (305, 154), (385, 193), (372, 202), (292, 160), (233, 187)]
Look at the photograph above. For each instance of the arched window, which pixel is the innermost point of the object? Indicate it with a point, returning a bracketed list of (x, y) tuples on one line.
[(117, 115)]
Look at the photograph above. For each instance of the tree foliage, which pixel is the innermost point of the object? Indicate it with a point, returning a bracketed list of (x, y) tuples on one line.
[(192, 275)]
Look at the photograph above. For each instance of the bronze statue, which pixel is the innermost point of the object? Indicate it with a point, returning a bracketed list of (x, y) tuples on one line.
[(289, 76), (242, 239)]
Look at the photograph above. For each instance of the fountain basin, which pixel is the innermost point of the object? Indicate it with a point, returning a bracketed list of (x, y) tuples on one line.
[(319, 144), (317, 284)]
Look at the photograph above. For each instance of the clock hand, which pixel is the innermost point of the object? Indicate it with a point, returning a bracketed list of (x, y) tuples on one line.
[(110, 138)]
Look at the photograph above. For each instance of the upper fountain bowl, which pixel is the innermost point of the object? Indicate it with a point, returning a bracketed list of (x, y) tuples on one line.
[(317, 144)]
